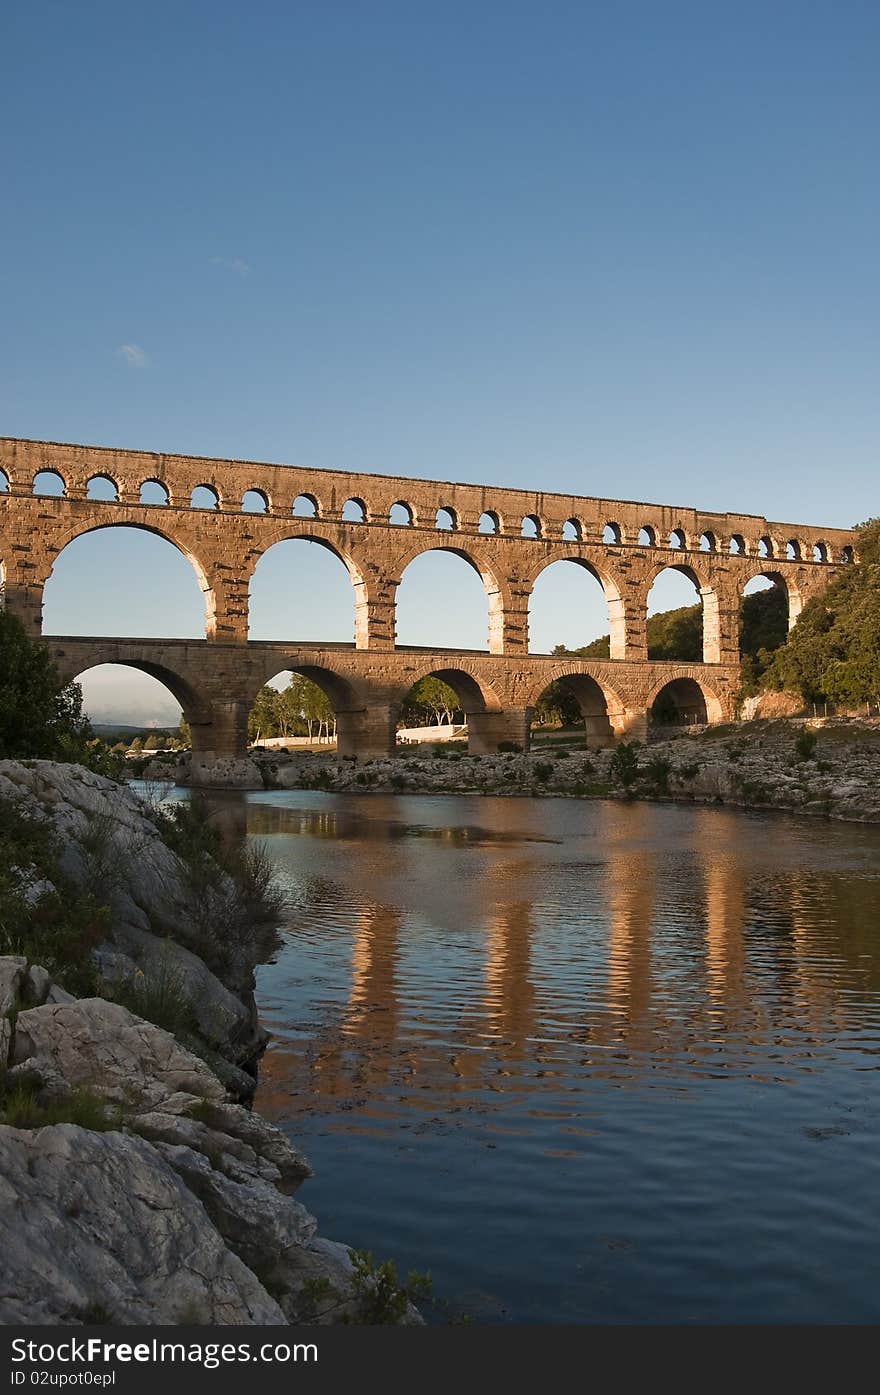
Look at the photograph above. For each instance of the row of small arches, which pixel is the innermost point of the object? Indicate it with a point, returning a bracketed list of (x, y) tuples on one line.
[(401, 514)]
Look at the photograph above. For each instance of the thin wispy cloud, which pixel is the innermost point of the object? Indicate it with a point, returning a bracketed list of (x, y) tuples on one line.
[(236, 264), (133, 354)]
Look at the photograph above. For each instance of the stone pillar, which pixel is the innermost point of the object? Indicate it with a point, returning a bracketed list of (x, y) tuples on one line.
[(487, 729), (226, 605), (628, 620), (630, 725), (368, 734), (598, 731), (509, 618), (374, 619), (222, 736), (23, 590), (720, 627)]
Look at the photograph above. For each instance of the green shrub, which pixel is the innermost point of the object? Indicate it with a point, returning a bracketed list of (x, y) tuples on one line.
[(658, 771), (624, 766), (382, 1297), (805, 745), (542, 770)]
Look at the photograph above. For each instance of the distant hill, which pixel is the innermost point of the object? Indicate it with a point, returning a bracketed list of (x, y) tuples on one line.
[(117, 732)]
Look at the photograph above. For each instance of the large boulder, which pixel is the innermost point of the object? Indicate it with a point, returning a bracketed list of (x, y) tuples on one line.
[(97, 1227), (103, 1047), (135, 955)]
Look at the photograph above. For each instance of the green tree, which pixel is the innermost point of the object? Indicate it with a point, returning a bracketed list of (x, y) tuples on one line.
[(833, 652), (40, 713), (263, 717), (763, 627), (431, 697)]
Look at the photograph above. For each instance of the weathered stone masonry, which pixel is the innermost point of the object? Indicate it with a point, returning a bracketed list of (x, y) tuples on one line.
[(625, 545)]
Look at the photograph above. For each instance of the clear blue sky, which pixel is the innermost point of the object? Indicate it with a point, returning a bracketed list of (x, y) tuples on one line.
[(626, 249)]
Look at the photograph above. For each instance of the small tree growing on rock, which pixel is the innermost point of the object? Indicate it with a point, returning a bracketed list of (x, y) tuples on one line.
[(624, 767)]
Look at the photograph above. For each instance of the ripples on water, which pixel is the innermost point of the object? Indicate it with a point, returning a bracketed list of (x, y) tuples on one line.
[(584, 1062)]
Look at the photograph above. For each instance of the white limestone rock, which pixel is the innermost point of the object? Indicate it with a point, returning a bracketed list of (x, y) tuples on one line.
[(104, 1047), (98, 1227)]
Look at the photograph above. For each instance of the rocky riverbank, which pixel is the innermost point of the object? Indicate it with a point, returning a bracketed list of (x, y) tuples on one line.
[(136, 1186), (829, 769)]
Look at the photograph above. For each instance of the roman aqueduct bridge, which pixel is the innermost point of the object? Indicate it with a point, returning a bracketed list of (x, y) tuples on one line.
[(376, 525)]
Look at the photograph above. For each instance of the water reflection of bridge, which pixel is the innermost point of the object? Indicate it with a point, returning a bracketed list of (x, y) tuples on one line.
[(629, 970)]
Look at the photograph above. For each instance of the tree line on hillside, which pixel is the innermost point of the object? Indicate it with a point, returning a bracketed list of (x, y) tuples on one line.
[(833, 653)]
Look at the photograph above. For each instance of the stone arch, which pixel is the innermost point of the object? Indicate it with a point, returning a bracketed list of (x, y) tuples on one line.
[(787, 583), (405, 517), (205, 496), (145, 485), (490, 523), (610, 590), (678, 539), (793, 551), (847, 555), (305, 506), (446, 519), (167, 535), (821, 551), (4, 482), (685, 700), (612, 534), (647, 536), (255, 501), (357, 511), (354, 715), (307, 534), (573, 530), (53, 477), (708, 541), (477, 698), (95, 490), (709, 599), (196, 707), (602, 709), (340, 691), (532, 526), (737, 546), (475, 692), (478, 563)]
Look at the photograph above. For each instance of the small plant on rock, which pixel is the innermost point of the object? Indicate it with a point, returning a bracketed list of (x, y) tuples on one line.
[(805, 745), (624, 766), (383, 1298)]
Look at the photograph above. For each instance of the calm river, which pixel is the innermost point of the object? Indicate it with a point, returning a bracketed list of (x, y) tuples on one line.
[(585, 1062)]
